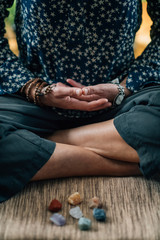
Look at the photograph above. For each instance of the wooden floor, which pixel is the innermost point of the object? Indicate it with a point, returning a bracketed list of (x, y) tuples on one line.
[(132, 206)]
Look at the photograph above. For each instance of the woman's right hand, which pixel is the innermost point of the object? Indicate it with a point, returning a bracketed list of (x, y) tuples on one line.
[(65, 97)]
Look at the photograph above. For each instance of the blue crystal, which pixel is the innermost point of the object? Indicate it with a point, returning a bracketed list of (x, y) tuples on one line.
[(84, 223), (99, 214), (58, 219)]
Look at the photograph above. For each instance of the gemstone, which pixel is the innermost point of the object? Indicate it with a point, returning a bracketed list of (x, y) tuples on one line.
[(55, 206), (99, 214), (84, 223), (76, 212), (58, 219), (75, 198), (95, 203)]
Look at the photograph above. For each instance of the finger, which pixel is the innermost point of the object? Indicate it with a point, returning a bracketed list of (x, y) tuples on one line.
[(88, 106), (67, 91), (74, 83), (103, 106), (92, 90), (98, 105), (59, 84), (88, 98)]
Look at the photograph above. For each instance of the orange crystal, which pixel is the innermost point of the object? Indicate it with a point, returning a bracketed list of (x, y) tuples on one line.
[(75, 199)]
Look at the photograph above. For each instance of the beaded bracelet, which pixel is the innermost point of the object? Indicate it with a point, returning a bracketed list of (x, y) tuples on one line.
[(28, 91), (34, 80), (35, 93), (39, 86), (24, 86), (48, 89), (31, 84), (38, 93)]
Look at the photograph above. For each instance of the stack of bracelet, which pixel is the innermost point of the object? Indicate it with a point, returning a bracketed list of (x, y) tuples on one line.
[(39, 84)]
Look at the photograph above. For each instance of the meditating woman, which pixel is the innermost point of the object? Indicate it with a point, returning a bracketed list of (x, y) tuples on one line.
[(76, 102)]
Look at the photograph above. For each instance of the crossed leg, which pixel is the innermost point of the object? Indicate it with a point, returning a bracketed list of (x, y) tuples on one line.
[(95, 149)]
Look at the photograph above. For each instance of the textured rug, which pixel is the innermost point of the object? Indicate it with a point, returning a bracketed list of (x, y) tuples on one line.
[(132, 207)]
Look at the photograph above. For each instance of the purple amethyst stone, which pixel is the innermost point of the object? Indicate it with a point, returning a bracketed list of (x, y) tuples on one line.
[(58, 219)]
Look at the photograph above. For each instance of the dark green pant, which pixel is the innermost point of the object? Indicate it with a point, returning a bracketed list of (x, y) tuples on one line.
[(23, 149)]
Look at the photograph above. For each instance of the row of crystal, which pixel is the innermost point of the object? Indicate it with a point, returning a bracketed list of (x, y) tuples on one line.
[(75, 199)]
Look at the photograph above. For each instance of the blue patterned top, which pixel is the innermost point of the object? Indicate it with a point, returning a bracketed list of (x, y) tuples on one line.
[(90, 41)]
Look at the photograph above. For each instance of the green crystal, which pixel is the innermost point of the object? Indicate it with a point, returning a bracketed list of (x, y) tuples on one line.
[(84, 223)]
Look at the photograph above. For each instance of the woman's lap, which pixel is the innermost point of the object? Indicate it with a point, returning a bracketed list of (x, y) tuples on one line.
[(23, 150)]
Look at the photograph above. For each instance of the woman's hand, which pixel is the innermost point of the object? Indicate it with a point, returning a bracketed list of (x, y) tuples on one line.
[(66, 97), (99, 91), (106, 90), (95, 92)]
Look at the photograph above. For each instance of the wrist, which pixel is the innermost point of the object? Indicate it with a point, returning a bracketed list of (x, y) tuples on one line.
[(126, 90), (120, 96), (30, 88), (43, 95)]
